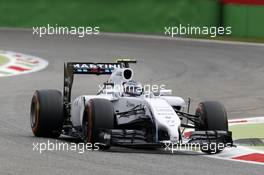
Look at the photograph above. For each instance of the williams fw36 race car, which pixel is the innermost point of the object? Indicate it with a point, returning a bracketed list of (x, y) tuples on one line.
[(123, 114)]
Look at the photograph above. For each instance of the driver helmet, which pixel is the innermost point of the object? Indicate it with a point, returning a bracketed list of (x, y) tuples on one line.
[(133, 88)]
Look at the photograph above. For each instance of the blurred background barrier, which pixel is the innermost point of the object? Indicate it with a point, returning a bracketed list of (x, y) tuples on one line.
[(137, 16), (245, 16)]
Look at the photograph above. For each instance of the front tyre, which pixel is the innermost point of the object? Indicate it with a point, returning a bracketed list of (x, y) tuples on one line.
[(46, 113), (212, 117), (98, 116)]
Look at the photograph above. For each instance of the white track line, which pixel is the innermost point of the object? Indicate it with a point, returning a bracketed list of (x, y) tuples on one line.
[(241, 121), (158, 37), (144, 36), (230, 153)]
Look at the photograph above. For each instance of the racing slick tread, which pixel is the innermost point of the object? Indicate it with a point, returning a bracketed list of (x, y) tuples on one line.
[(100, 115), (46, 113)]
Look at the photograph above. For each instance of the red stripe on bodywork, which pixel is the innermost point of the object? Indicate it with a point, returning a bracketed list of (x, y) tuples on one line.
[(255, 157), (187, 134), (17, 68)]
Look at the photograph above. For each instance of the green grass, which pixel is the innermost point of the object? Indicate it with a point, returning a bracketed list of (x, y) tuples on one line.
[(136, 16), (3, 60), (126, 16), (248, 131)]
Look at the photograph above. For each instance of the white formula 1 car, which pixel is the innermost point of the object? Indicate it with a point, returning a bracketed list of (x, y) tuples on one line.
[(123, 114)]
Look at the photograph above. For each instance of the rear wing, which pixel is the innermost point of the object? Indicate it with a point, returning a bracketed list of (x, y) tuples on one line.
[(71, 68)]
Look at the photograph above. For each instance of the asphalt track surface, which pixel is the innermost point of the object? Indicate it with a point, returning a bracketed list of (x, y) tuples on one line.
[(232, 74)]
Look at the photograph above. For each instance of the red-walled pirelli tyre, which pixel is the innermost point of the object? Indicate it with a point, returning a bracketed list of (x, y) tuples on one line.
[(99, 114), (212, 116), (46, 113)]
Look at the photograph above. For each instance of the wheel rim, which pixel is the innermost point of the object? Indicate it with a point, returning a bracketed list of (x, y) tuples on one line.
[(87, 125), (199, 112), (34, 113)]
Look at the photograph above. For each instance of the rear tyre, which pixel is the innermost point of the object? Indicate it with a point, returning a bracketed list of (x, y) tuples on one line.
[(212, 116), (98, 115), (46, 113)]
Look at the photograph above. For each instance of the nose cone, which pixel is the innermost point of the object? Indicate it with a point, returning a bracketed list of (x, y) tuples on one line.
[(165, 117)]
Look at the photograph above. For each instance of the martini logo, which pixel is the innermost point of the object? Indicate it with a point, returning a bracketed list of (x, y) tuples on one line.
[(99, 65), (95, 68), (14, 63)]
